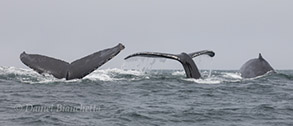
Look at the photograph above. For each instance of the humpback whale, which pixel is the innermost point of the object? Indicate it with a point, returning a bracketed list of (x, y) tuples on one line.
[(255, 67), (185, 59), (75, 70)]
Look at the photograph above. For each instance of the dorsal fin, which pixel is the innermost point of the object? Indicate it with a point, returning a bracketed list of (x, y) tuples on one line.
[(260, 57)]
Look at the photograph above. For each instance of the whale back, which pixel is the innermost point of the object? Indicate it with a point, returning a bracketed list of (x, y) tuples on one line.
[(255, 67)]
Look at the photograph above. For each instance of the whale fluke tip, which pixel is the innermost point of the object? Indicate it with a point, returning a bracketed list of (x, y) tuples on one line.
[(22, 54), (212, 54), (121, 46)]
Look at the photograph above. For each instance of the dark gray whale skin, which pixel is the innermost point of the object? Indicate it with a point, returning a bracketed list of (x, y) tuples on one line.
[(75, 70), (255, 67), (185, 59)]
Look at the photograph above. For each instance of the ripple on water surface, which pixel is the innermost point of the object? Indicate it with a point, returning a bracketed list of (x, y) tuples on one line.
[(154, 97)]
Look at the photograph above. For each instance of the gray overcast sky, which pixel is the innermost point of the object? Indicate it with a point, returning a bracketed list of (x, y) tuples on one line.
[(237, 30)]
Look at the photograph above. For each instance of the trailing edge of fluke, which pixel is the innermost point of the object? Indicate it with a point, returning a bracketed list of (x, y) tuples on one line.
[(75, 70)]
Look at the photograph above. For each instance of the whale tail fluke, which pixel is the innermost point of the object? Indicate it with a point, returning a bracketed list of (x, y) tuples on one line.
[(75, 70), (188, 64)]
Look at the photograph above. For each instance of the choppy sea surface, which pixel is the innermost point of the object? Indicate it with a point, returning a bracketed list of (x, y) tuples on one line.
[(145, 98)]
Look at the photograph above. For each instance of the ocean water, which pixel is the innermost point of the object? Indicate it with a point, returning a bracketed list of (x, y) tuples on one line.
[(145, 98)]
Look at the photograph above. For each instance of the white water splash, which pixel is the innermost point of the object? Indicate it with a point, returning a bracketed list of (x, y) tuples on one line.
[(14, 70), (109, 74), (178, 73), (31, 77), (217, 78), (28, 76), (232, 75), (261, 76), (99, 76), (204, 81), (141, 63)]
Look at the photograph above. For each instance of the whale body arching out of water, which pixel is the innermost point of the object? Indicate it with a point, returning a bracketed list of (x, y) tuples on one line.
[(255, 67)]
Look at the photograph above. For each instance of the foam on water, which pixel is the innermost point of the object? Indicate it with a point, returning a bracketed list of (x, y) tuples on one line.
[(110, 74), (204, 81), (261, 76), (212, 77), (217, 79), (14, 70), (178, 73), (29, 76), (208, 77), (26, 75), (232, 75)]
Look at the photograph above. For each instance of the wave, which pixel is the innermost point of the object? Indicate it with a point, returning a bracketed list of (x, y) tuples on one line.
[(285, 74), (29, 76), (113, 74), (24, 75)]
